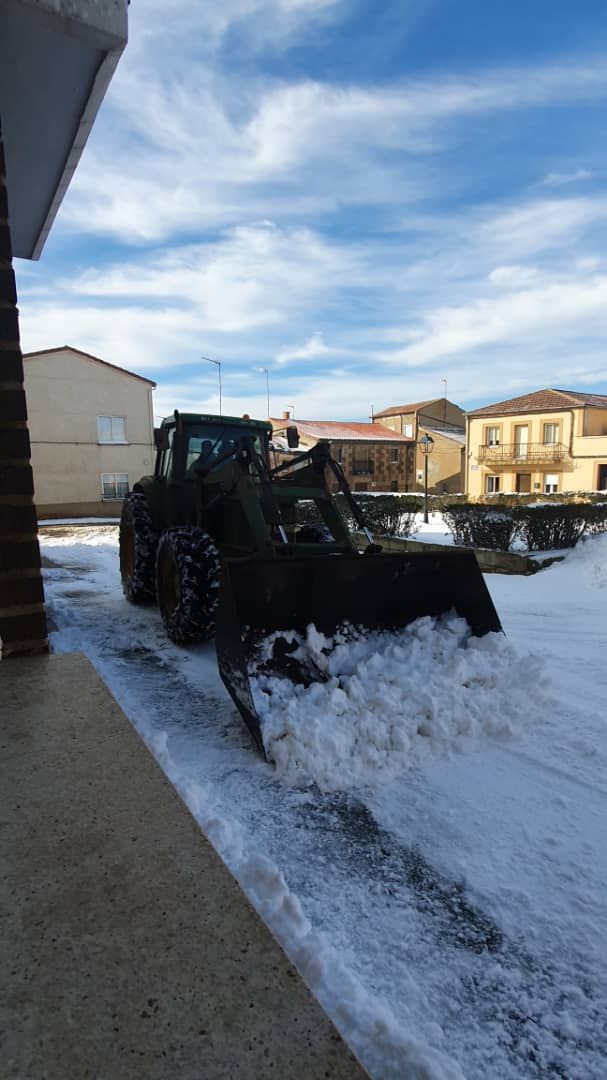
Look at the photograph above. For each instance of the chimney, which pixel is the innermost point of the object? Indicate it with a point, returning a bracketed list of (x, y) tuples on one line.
[(286, 415)]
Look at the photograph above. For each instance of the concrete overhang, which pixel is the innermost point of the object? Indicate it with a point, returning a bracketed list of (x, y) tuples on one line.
[(57, 58)]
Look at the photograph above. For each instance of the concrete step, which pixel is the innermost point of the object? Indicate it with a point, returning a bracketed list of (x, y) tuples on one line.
[(129, 949)]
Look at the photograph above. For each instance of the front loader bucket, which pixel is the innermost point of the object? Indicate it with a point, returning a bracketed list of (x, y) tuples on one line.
[(377, 592)]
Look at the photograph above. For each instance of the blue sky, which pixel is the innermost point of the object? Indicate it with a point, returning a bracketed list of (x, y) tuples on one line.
[(363, 198)]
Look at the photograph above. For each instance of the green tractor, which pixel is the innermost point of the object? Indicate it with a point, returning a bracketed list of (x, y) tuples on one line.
[(219, 539)]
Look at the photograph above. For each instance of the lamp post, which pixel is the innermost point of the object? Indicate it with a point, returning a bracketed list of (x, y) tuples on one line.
[(218, 366), (426, 445)]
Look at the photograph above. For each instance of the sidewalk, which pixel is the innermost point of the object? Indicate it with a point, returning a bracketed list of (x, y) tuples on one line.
[(129, 949)]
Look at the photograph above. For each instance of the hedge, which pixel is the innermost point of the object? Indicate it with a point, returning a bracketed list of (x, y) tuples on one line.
[(480, 525), (385, 515), (541, 527)]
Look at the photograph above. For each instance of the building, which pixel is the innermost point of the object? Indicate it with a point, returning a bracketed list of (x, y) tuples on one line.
[(372, 457), (56, 63), (91, 431), (547, 441), (445, 423)]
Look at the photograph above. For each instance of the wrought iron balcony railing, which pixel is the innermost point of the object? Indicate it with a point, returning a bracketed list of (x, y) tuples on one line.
[(363, 468), (525, 454)]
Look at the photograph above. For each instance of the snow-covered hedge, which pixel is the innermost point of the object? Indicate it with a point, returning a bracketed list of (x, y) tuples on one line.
[(548, 528), (480, 525), (540, 526), (386, 515)]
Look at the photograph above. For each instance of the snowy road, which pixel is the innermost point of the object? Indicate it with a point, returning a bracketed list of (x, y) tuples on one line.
[(453, 920)]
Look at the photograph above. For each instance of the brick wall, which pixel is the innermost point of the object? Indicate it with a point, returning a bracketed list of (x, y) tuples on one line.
[(384, 474), (22, 615)]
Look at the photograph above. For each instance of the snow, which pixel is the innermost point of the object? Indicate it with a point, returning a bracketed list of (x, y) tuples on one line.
[(390, 700), (451, 914)]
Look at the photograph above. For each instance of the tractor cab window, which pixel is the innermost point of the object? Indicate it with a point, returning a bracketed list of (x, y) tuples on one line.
[(205, 447), (164, 466)]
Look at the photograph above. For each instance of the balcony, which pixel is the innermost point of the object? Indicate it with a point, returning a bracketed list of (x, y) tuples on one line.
[(508, 454), (364, 467)]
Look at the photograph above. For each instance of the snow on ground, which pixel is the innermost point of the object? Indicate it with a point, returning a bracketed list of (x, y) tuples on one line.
[(451, 918)]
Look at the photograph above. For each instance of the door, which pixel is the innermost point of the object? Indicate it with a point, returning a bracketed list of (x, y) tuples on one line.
[(521, 440), (523, 481), (602, 484)]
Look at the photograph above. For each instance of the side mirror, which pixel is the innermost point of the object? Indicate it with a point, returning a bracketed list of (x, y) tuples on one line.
[(292, 437), (161, 438)]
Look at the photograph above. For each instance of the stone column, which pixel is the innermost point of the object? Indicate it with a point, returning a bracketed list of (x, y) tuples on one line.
[(22, 615)]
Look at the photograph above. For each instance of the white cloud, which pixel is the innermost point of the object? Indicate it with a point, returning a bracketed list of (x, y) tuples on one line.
[(312, 349), (569, 308), (556, 179), (185, 150)]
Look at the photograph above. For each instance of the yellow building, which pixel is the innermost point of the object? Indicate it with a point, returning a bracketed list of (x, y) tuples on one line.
[(445, 424), (545, 442)]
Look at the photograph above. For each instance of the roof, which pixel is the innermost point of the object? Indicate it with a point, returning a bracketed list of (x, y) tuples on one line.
[(415, 407), (88, 356), (456, 434), (338, 429), (57, 58), (548, 400)]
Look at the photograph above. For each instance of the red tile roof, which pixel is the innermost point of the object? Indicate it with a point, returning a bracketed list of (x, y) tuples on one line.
[(337, 429), (542, 401), (416, 407), (89, 356)]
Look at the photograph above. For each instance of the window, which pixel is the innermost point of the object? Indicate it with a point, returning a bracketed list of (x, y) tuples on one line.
[(492, 484), (394, 455), (551, 434), (114, 485), (394, 485), (492, 436), (111, 429), (551, 483), (164, 464), (408, 430)]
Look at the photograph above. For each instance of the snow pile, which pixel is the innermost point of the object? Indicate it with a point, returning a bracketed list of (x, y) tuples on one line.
[(388, 699), (590, 556)]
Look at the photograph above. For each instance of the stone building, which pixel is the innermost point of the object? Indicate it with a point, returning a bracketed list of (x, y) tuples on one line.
[(445, 423), (373, 458)]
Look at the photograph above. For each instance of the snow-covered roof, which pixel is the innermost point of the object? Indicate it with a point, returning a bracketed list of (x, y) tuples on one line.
[(338, 430), (448, 431)]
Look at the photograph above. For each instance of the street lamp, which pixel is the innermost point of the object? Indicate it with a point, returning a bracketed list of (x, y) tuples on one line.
[(218, 366), (426, 445)]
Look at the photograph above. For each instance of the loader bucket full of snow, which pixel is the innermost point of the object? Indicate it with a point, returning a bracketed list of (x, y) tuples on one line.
[(269, 599)]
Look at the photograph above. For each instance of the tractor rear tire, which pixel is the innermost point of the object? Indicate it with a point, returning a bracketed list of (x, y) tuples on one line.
[(187, 584), (138, 543)]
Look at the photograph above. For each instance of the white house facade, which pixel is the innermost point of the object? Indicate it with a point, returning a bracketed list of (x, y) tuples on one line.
[(91, 432)]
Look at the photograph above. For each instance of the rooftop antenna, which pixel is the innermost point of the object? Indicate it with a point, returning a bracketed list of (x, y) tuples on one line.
[(445, 400), (372, 417)]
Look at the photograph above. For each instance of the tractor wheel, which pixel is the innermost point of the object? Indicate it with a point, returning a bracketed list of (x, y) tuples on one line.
[(187, 584), (138, 543)]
